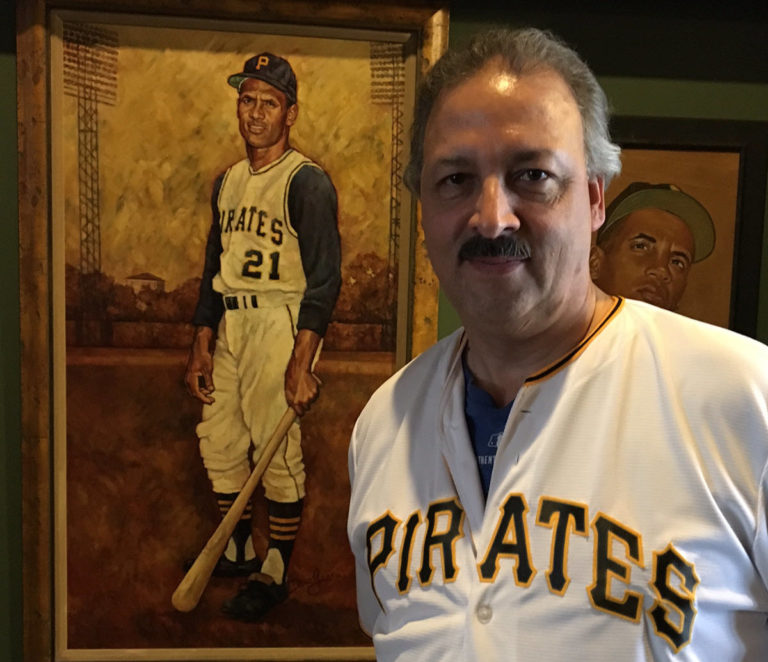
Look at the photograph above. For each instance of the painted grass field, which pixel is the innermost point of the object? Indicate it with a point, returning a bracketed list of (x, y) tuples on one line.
[(139, 504)]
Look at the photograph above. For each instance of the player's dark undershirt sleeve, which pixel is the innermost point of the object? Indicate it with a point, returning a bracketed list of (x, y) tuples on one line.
[(313, 209), (210, 306)]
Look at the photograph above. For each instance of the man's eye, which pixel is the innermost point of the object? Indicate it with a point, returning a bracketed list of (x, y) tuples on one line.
[(454, 180), (534, 175), (679, 264), (639, 245), (453, 185)]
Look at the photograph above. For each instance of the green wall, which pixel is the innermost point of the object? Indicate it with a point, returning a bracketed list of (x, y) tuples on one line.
[(734, 87)]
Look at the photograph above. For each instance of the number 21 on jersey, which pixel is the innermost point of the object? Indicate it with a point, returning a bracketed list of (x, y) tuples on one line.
[(252, 267)]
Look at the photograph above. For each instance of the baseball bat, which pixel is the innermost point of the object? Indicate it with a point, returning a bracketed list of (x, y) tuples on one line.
[(188, 592)]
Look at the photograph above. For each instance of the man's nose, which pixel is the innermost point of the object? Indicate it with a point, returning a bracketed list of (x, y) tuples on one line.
[(257, 109), (660, 271), (493, 209)]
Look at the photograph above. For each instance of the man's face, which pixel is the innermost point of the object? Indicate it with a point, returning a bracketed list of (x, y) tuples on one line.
[(263, 114), (648, 257), (504, 158)]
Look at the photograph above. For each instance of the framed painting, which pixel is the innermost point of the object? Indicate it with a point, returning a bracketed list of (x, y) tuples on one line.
[(711, 174), (126, 119)]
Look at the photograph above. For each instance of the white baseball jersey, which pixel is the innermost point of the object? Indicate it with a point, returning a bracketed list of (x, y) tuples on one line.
[(260, 248), (626, 515), (262, 279)]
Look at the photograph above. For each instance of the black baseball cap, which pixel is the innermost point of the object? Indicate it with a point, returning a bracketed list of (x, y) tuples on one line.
[(667, 197), (271, 69)]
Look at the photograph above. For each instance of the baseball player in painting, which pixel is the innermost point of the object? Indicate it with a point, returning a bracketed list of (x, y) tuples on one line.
[(571, 475), (271, 279), (652, 235)]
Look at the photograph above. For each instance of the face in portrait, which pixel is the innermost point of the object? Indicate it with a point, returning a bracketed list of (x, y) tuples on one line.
[(264, 114), (652, 236)]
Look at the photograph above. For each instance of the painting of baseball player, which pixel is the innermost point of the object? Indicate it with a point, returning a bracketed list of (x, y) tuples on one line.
[(269, 285), (653, 234)]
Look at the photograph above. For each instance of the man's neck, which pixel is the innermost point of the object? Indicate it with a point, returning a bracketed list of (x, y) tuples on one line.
[(501, 359), (263, 156)]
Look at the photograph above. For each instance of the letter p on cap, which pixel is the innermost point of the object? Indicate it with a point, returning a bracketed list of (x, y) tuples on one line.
[(263, 62)]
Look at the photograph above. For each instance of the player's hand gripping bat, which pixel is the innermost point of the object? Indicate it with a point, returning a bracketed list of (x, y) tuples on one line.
[(188, 592)]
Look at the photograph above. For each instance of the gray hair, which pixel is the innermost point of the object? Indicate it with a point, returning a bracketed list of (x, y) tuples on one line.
[(521, 51)]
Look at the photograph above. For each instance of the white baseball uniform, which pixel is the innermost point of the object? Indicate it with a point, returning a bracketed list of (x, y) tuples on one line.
[(271, 286), (626, 518)]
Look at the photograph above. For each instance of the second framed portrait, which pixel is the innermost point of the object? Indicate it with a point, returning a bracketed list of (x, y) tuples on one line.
[(684, 218)]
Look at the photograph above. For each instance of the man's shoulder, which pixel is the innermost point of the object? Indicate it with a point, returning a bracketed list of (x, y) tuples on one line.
[(310, 182), (239, 167), (680, 339), (308, 173), (405, 390)]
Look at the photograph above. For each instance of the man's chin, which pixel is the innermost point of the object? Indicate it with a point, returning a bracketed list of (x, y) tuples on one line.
[(654, 298)]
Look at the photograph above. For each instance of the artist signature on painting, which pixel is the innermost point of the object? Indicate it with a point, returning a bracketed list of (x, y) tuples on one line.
[(315, 584)]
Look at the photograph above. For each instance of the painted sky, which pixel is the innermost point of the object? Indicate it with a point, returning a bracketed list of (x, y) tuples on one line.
[(173, 129)]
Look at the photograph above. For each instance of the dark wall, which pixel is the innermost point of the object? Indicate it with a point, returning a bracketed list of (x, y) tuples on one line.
[(702, 41), (10, 426)]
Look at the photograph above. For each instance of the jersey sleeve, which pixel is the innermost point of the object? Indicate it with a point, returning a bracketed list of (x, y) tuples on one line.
[(761, 537), (210, 306), (368, 607), (313, 208)]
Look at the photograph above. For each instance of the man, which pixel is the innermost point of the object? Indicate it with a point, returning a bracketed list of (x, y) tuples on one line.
[(271, 279), (571, 475), (651, 236)]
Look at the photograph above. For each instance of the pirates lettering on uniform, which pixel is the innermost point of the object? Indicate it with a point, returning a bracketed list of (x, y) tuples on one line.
[(607, 567), (381, 533), (277, 231), (404, 576), (229, 216), (565, 518), (616, 550), (442, 538), (510, 540), (673, 612), (253, 220)]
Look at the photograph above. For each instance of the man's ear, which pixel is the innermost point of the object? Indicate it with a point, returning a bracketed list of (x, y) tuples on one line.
[(597, 201), (292, 114), (596, 255)]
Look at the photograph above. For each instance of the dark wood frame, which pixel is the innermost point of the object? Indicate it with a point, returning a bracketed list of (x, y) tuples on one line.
[(426, 19), (749, 139)]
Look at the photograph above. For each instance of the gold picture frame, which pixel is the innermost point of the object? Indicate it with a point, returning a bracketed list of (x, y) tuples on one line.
[(50, 502)]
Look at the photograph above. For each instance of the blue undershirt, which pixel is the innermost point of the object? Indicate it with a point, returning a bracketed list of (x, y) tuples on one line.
[(485, 422)]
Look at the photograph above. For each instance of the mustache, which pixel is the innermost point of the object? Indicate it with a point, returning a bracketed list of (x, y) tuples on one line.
[(503, 246)]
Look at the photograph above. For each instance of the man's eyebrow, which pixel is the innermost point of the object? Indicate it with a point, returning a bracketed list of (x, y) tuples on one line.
[(535, 155), (456, 161), (684, 253), (256, 95), (642, 235), (521, 157)]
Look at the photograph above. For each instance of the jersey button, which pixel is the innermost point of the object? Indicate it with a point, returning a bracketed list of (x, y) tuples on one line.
[(484, 614)]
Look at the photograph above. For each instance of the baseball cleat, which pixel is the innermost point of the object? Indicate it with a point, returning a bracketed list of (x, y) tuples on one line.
[(254, 599)]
